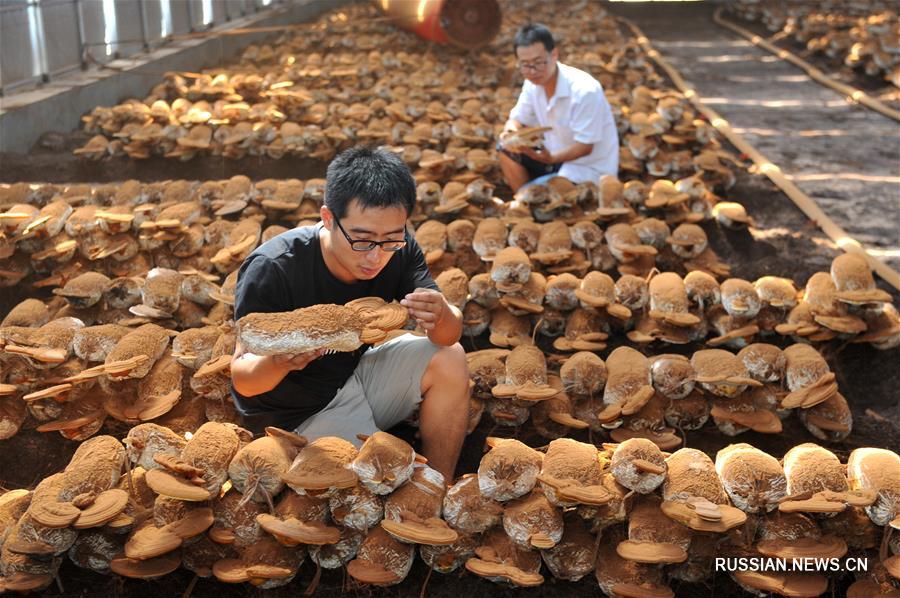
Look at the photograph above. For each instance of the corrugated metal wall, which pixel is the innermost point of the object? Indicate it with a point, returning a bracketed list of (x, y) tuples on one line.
[(42, 39)]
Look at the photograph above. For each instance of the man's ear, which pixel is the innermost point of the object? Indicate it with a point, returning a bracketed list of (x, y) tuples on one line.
[(554, 54), (327, 217)]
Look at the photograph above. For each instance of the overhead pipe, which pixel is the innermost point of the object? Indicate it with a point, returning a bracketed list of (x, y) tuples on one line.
[(468, 24)]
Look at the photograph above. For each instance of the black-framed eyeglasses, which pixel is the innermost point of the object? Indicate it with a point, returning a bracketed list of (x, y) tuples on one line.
[(366, 245), (534, 65)]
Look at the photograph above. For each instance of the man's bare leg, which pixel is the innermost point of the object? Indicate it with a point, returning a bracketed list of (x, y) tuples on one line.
[(444, 412), (514, 173)]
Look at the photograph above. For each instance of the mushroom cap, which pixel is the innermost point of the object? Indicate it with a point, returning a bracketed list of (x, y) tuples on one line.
[(149, 542), (509, 573), (291, 531), (785, 584), (630, 590), (651, 552), (147, 568), (801, 548), (54, 514), (704, 516), (597, 289), (746, 412), (500, 558), (166, 483), (105, 507), (432, 531), (371, 574), (236, 571)]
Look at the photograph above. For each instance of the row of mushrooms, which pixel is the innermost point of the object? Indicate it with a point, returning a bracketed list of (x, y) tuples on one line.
[(864, 36), (659, 398), (252, 511), (307, 96)]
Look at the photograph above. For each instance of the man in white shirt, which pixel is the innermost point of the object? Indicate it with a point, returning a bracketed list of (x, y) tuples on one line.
[(583, 144)]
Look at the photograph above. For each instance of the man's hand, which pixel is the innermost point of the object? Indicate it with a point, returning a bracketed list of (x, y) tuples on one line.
[(255, 374), (296, 361), (540, 155), (427, 306)]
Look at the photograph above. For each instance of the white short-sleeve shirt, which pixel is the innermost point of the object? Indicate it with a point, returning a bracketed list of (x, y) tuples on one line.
[(578, 112)]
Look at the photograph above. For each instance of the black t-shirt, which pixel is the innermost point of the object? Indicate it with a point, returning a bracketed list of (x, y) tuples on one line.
[(288, 272)]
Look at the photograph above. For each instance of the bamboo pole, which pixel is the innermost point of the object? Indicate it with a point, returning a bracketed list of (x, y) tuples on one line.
[(806, 204)]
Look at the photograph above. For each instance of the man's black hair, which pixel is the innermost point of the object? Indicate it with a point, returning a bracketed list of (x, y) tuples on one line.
[(534, 33), (376, 178)]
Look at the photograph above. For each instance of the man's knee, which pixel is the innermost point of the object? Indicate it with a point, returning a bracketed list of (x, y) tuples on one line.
[(448, 365)]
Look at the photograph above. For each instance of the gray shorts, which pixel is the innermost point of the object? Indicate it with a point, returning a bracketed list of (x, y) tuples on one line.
[(384, 390)]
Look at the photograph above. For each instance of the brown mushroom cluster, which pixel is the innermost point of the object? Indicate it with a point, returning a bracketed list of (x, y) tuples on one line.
[(863, 36), (334, 83), (251, 511), (630, 395), (142, 274)]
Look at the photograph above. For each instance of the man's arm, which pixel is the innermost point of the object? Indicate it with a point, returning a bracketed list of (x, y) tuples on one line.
[(440, 320), (253, 375)]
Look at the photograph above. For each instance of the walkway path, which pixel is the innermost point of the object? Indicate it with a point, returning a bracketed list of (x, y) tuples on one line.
[(846, 157)]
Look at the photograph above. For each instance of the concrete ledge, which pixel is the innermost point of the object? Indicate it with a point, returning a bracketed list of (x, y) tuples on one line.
[(59, 105)]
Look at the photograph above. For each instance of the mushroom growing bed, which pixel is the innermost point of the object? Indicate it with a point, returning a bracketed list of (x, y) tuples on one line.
[(644, 313)]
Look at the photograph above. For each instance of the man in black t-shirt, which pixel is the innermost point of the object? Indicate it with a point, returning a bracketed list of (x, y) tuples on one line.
[(361, 248)]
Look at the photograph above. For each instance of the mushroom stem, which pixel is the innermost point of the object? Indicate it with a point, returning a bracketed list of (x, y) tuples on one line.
[(884, 549), (268, 496), (425, 583), (314, 584), (250, 490), (190, 588)]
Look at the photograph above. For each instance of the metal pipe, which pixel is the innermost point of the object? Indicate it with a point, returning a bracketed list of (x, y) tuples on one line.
[(142, 10), (79, 26), (190, 9), (465, 23), (40, 42)]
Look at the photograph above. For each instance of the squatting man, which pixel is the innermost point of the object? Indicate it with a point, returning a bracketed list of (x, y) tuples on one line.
[(582, 144), (360, 248)]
